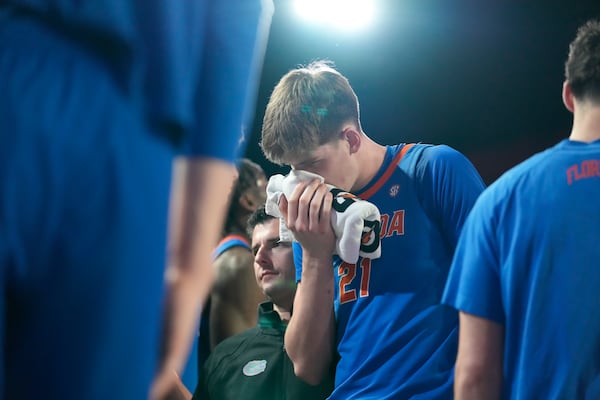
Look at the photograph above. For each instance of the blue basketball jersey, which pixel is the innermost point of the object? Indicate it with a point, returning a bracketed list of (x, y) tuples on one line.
[(229, 242), (394, 338), (172, 59), (529, 259)]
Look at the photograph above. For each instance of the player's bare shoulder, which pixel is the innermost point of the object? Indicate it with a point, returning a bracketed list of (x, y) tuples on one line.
[(232, 265)]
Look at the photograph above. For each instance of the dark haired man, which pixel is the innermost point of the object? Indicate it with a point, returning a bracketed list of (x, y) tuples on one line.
[(526, 274)]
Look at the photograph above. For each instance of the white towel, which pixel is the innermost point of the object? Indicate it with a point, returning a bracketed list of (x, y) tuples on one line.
[(356, 222), (274, 193)]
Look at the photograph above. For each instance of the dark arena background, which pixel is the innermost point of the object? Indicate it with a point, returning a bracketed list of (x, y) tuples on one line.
[(483, 76)]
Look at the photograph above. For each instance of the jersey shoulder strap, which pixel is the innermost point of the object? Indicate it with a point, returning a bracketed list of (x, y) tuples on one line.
[(228, 242)]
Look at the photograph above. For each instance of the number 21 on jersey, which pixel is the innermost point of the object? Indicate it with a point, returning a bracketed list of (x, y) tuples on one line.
[(348, 273)]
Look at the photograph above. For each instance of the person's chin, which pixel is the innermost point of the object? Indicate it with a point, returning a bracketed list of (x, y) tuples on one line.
[(269, 279), (271, 285)]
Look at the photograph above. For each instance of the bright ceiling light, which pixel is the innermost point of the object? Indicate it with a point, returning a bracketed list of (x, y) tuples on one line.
[(339, 14)]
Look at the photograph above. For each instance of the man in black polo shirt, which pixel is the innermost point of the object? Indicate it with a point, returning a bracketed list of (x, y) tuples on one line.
[(254, 364)]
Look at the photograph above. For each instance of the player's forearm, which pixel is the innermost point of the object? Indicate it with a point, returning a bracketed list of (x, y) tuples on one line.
[(479, 362), (309, 338), (197, 212), (182, 310), (476, 384), (477, 377)]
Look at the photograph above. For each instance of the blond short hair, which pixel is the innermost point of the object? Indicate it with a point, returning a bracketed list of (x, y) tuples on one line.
[(307, 108)]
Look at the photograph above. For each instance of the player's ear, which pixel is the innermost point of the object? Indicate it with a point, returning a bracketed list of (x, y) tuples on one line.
[(353, 138), (567, 96)]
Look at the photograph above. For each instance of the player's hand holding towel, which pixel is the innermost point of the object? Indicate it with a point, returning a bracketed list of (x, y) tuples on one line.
[(356, 222)]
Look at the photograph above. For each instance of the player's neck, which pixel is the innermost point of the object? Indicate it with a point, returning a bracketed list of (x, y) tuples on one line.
[(283, 307), (284, 314), (371, 158), (586, 124)]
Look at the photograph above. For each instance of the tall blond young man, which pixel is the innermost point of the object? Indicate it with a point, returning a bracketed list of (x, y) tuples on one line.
[(382, 316)]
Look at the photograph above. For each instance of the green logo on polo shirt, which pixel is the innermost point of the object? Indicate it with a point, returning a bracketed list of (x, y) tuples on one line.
[(254, 367)]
